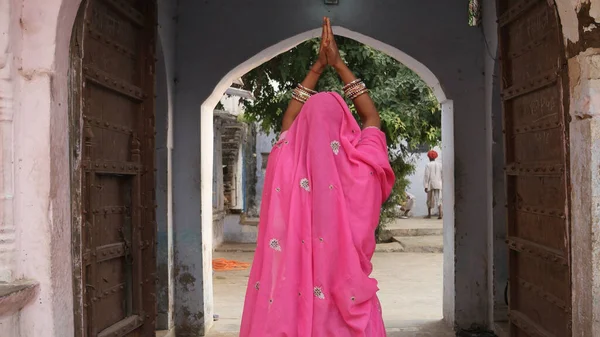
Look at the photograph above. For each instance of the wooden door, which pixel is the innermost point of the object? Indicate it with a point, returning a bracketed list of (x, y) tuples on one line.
[(534, 90), (112, 154)]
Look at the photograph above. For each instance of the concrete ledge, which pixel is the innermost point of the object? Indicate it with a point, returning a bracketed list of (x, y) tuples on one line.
[(244, 220), (421, 244), (15, 295)]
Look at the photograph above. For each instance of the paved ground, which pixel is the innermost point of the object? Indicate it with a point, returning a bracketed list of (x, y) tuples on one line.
[(411, 294)]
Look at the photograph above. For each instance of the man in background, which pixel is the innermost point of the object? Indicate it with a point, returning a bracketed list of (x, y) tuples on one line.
[(432, 182)]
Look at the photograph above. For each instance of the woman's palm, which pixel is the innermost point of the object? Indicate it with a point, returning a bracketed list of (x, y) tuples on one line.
[(333, 53), (328, 50)]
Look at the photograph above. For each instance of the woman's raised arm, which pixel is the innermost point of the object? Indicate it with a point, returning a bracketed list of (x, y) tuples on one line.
[(358, 92), (308, 85)]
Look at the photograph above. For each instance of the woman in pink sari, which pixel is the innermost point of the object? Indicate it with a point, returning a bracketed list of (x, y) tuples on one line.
[(325, 183)]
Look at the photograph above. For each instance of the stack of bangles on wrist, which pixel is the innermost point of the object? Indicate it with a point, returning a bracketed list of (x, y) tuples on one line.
[(302, 93), (355, 88)]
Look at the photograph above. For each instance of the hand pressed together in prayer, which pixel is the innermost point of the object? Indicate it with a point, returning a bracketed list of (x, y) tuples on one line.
[(354, 88), (329, 53)]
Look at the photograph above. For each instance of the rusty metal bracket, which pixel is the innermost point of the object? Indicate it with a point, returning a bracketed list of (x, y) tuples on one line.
[(515, 11), (123, 327), (541, 211), (117, 46), (525, 324), (531, 45), (534, 170), (534, 84), (125, 9), (99, 123), (545, 295), (539, 251), (105, 80), (112, 167), (537, 127)]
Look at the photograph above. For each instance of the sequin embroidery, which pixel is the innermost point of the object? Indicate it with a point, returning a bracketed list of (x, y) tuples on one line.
[(335, 146), (305, 184), (319, 293), (274, 244)]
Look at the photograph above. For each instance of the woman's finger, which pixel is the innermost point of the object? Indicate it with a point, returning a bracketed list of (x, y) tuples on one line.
[(324, 30), (329, 30)]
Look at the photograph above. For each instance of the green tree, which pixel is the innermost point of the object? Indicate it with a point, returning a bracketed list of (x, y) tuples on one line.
[(410, 113)]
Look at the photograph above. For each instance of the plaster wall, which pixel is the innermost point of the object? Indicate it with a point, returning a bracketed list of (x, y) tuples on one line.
[(165, 85), (497, 249), (238, 232), (41, 162), (584, 74), (580, 22), (264, 144), (34, 64)]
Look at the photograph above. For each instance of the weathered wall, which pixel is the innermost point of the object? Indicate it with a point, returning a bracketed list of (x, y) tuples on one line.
[(162, 192), (165, 87), (580, 21), (498, 270), (218, 196), (453, 52), (584, 77), (264, 143), (41, 171), (239, 232)]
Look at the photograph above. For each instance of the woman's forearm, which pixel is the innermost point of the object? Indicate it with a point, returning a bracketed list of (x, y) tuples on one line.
[(294, 107), (363, 103)]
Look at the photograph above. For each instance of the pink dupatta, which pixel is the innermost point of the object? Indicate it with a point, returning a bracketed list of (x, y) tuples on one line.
[(325, 183)]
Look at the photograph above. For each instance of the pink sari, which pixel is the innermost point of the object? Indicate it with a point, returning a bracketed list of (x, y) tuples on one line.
[(325, 183)]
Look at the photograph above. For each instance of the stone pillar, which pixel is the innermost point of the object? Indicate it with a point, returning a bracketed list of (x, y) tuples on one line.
[(448, 209), (7, 229), (584, 129), (162, 192), (187, 217)]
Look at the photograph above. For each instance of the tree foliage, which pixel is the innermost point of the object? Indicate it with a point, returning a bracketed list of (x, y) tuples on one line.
[(410, 113)]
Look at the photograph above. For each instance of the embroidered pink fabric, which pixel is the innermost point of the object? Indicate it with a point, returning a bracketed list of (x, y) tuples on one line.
[(325, 183)]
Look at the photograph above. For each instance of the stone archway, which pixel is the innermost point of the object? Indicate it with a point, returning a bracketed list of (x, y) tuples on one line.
[(207, 143)]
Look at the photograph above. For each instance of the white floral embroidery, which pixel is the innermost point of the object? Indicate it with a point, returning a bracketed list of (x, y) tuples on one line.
[(305, 184), (319, 293), (274, 244), (335, 146)]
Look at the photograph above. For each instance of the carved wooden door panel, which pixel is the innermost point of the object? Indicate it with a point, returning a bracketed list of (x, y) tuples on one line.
[(537, 167), (113, 198)]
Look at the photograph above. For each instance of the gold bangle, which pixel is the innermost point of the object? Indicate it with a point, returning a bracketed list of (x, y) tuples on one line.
[(351, 84), (299, 99), (354, 86), (300, 95), (355, 89), (355, 96), (310, 91)]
